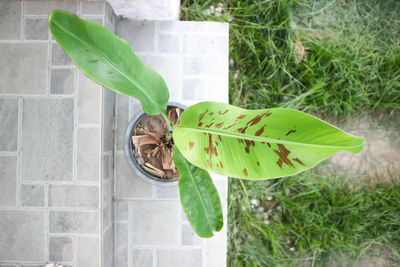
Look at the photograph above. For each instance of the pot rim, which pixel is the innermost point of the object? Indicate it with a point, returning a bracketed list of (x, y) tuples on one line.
[(129, 151)]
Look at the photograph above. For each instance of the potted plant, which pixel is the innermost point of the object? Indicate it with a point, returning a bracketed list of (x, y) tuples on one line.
[(211, 136)]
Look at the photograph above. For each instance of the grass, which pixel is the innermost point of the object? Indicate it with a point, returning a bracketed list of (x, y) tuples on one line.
[(309, 221), (350, 65), (351, 62)]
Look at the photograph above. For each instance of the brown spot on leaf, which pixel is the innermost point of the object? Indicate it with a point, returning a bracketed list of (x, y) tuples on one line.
[(225, 112), (258, 163), (208, 126), (245, 172), (299, 161), (211, 113), (220, 163), (211, 149), (200, 124), (226, 128), (240, 117), (191, 144), (260, 131), (269, 145), (258, 118), (242, 130), (218, 125), (291, 131), (216, 143), (202, 115), (283, 154), (248, 144), (219, 137)]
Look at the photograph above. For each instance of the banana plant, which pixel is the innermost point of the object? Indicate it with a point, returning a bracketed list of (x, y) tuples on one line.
[(211, 136)]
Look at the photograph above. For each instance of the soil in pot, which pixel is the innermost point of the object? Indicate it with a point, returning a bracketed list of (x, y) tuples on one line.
[(152, 150)]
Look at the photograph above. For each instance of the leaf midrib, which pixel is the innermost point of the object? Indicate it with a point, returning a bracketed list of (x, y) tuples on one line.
[(109, 61), (198, 193), (260, 139)]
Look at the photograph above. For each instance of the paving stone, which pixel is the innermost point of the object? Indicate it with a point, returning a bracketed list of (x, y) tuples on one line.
[(121, 249), (36, 29), (142, 257), (192, 89), (74, 196), (106, 167), (167, 192), (8, 180), (62, 81), (213, 66), (221, 183), (189, 237), (110, 18), (80, 222), (59, 57), (128, 184), (107, 211), (8, 124), (122, 120), (107, 192), (88, 252), (180, 26), (108, 120), (23, 68), (19, 231), (168, 43), (179, 258), (148, 9), (45, 7), (216, 27), (203, 44), (131, 29), (121, 210), (10, 20), (217, 82), (88, 101), (162, 64), (216, 247), (88, 153), (108, 248), (32, 195), (147, 216), (47, 139), (41, 265), (61, 248), (92, 8)]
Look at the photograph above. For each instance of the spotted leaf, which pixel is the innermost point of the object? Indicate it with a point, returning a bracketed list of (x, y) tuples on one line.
[(257, 144)]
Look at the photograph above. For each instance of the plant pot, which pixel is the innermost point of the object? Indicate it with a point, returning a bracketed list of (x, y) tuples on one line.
[(130, 151)]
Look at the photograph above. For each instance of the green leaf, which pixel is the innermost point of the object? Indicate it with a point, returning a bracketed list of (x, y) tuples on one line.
[(109, 60), (199, 197), (257, 144)]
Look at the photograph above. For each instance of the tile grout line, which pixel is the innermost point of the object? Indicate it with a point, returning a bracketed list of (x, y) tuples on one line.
[(19, 156), (155, 254), (47, 223), (22, 28), (20, 110)]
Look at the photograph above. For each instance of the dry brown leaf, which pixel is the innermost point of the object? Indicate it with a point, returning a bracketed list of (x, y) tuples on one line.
[(299, 48), (153, 170), (167, 159), (141, 140)]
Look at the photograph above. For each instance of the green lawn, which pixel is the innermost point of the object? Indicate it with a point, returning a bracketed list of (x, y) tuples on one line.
[(334, 59)]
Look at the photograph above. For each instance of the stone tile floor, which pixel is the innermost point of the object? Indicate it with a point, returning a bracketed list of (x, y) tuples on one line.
[(57, 159)]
